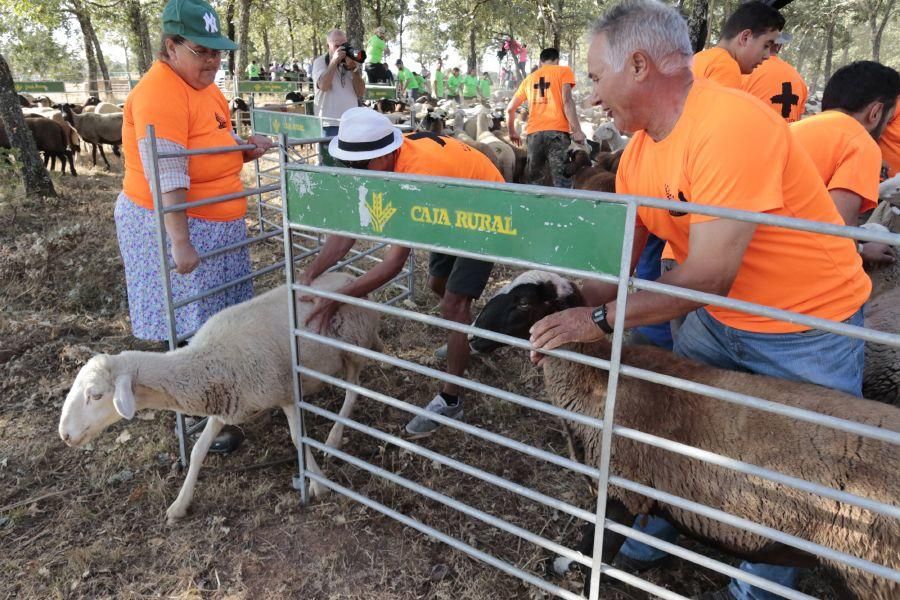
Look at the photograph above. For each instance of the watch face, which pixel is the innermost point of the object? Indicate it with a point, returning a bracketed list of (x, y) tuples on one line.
[(598, 314)]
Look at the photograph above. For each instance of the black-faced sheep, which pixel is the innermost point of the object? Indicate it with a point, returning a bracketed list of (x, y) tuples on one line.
[(96, 129), (827, 456), (236, 366)]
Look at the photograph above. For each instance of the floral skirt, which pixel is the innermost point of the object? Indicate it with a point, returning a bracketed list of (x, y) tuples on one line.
[(136, 228)]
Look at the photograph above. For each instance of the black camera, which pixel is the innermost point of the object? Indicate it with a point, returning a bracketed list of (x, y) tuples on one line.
[(354, 53)]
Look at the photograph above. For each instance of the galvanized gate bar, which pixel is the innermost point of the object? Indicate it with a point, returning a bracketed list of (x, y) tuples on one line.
[(462, 467), (449, 540), (452, 503), (870, 431)]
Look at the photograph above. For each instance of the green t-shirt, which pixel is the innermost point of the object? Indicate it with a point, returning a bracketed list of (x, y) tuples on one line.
[(252, 70), (404, 75), (421, 82), (375, 49), (484, 86), (440, 80), (470, 86), (453, 83)]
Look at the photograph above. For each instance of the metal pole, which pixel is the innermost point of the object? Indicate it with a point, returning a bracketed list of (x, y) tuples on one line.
[(300, 481), (164, 274), (615, 359), (259, 215)]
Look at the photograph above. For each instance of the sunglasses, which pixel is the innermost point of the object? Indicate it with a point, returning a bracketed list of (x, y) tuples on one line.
[(204, 53), (356, 164)]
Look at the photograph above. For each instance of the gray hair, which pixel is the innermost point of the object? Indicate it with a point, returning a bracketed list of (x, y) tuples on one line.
[(330, 35), (648, 25)]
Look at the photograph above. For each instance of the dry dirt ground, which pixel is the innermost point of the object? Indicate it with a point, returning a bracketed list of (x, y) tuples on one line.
[(89, 523)]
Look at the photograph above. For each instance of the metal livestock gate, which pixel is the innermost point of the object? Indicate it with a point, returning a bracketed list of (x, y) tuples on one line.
[(264, 228), (541, 228)]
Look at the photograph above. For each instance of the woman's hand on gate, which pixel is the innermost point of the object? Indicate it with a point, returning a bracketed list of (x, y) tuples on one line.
[(262, 144), (565, 327), (322, 312), (186, 257)]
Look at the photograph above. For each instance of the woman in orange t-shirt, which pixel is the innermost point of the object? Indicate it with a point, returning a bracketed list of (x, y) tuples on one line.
[(179, 98)]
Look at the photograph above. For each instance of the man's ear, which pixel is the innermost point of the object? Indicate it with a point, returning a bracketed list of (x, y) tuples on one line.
[(873, 114), (745, 36), (639, 65), (123, 397)]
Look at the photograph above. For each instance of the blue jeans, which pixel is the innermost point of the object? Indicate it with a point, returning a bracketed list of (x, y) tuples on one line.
[(826, 359)]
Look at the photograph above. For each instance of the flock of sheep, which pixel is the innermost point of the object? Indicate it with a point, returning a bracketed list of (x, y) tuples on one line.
[(59, 129)]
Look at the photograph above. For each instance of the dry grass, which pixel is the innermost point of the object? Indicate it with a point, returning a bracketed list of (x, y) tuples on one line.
[(89, 535)]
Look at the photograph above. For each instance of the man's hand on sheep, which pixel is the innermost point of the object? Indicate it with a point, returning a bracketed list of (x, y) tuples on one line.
[(186, 257), (322, 312), (875, 253), (262, 143), (571, 325)]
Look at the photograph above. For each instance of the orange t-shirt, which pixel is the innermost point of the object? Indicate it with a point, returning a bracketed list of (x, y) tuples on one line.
[(719, 66), (194, 119), (429, 154), (844, 153), (890, 143), (729, 150), (779, 86), (543, 90)]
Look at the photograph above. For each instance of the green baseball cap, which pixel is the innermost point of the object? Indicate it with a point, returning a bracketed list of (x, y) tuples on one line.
[(196, 21)]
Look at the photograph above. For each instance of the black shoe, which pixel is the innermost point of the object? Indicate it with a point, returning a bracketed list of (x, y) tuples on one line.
[(721, 594), (228, 440), (633, 565)]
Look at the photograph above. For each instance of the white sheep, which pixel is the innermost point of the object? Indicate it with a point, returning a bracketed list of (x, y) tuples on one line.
[(235, 367), (506, 157), (608, 133)]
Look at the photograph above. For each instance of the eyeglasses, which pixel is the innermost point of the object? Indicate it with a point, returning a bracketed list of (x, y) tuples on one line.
[(204, 53)]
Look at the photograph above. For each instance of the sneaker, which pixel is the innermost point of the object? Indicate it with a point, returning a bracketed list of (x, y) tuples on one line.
[(721, 594), (421, 426)]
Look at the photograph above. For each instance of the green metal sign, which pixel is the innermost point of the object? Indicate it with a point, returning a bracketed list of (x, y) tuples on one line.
[(269, 122), (57, 87), (266, 87), (377, 92), (550, 230)]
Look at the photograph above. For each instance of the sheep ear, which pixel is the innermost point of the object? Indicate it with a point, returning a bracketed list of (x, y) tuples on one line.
[(123, 398)]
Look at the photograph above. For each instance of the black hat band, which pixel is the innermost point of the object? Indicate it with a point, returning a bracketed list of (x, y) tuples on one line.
[(366, 146)]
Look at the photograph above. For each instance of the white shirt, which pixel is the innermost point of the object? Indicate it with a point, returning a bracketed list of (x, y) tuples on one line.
[(340, 97)]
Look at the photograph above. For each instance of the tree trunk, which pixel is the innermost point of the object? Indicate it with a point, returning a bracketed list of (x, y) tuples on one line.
[(878, 30), (378, 9), (353, 22), (266, 47), (472, 62), (92, 87), (140, 38), (290, 26), (101, 61), (243, 39), (829, 50), (817, 71), (698, 24), (34, 175), (229, 26)]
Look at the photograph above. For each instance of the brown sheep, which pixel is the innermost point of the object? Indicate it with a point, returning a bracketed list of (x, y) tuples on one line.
[(51, 138), (827, 456)]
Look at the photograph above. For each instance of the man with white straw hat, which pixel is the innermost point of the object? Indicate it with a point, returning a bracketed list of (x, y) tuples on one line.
[(368, 140)]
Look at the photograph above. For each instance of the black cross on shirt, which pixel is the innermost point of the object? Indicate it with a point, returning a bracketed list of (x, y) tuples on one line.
[(787, 99), (541, 85)]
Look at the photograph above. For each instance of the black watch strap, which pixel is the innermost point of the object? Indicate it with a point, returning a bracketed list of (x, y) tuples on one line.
[(598, 316)]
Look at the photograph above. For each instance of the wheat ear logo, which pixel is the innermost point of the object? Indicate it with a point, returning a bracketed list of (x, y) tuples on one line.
[(381, 213)]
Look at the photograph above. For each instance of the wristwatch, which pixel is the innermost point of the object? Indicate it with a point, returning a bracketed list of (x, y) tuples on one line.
[(598, 316)]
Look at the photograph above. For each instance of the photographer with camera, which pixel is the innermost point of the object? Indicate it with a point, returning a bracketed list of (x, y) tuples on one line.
[(338, 80)]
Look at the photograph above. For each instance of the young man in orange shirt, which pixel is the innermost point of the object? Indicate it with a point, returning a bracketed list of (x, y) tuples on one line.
[(857, 104), (890, 144), (367, 140), (746, 41), (551, 118), (778, 84), (690, 143)]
